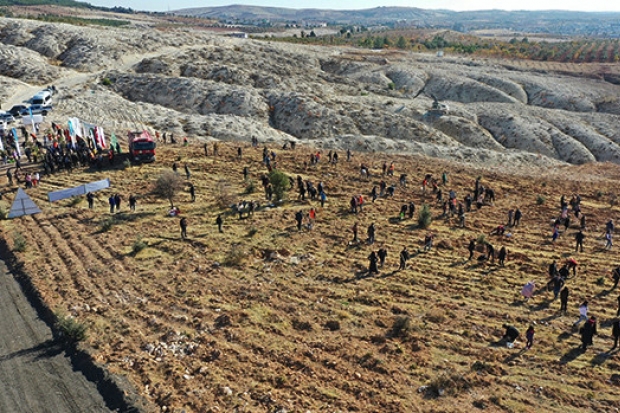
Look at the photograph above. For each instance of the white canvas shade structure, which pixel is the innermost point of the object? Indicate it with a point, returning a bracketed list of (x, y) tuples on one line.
[(23, 205), (78, 190)]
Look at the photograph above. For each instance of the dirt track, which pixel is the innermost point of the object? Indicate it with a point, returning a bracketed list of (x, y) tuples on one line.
[(36, 374)]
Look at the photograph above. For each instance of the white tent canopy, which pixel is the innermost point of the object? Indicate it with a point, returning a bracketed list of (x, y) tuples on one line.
[(23, 205), (78, 190)]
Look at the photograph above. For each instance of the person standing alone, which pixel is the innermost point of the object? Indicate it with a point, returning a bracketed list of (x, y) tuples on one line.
[(183, 225)]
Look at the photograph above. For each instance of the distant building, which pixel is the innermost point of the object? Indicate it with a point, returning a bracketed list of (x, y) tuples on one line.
[(240, 35)]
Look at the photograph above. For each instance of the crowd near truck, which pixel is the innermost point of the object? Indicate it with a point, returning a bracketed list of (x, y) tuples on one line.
[(141, 146)]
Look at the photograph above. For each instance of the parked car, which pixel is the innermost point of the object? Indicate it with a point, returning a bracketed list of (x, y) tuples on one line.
[(16, 110), (43, 98), (36, 110), (6, 117)]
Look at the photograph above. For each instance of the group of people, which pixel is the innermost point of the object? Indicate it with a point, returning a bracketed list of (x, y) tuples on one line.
[(60, 156)]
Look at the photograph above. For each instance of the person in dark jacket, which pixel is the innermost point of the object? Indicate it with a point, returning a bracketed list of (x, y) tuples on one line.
[(299, 217), (502, 255), (373, 259), (615, 275), (404, 256), (579, 237), (509, 336), (517, 219), (557, 283), (471, 248), (219, 221), (564, 300), (615, 332), (183, 225), (371, 233), (588, 330), (382, 256), (132, 202)]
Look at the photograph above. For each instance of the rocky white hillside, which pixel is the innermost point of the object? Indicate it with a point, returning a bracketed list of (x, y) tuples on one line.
[(205, 85)]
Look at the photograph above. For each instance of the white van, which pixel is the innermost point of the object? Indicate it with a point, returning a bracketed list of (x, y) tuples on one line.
[(43, 98)]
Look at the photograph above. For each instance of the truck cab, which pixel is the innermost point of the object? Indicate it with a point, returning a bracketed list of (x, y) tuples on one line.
[(141, 146)]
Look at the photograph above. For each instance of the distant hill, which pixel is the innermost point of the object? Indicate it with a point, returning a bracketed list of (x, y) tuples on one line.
[(366, 16), (65, 3), (550, 21)]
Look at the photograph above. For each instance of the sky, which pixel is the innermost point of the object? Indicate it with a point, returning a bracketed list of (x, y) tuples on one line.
[(165, 5)]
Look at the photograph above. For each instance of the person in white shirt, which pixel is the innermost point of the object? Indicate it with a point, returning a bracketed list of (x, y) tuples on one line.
[(583, 313)]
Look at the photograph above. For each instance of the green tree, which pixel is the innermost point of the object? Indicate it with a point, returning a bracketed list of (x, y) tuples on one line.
[(401, 43), (167, 186), (425, 217), (279, 183), (378, 43)]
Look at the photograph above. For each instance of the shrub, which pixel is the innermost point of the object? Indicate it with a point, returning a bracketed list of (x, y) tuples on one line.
[(332, 325), (234, 257), (167, 186), (70, 329), (436, 316), (107, 224), (19, 242), (391, 86), (250, 187), (138, 245), (253, 231), (600, 281), (75, 201), (3, 213), (106, 81), (401, 327), (126, 164), (279, 182), (599, 194), (540, 199), (223, 194), (301, 325), (449, 383), (482, 239), (425, 217)]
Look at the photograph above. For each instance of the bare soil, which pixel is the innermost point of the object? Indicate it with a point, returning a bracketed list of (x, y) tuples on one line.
[(263, 318)]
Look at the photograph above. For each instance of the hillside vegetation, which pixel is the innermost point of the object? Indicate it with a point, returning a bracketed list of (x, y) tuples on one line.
[(265, 318)]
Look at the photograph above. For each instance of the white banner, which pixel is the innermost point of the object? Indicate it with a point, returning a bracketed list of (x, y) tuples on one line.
[(78, 190), (32, 120)]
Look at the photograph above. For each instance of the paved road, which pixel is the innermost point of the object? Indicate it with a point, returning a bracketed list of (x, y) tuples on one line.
[(35, 374)]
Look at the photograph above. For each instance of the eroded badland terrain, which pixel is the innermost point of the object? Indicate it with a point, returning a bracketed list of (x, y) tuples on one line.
[(265, 318)]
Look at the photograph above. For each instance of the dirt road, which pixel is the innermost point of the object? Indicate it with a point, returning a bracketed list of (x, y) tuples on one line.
[(35, 373)]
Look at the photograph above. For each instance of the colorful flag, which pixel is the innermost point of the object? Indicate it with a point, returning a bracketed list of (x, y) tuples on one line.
[(14, 131)]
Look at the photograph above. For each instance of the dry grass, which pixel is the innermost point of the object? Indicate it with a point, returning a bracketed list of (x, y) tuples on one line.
[(293, 322)]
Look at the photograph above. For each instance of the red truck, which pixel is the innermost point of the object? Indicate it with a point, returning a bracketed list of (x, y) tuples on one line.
[(141, 146)]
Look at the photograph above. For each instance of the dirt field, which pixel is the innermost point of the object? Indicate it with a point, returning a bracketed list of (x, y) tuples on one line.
[(263, 318)]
